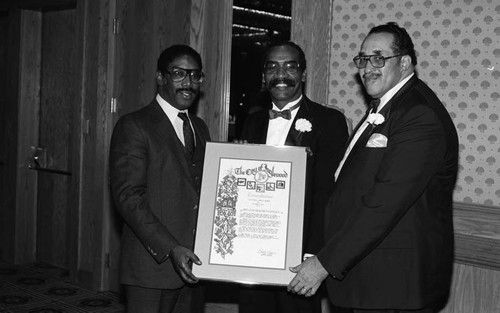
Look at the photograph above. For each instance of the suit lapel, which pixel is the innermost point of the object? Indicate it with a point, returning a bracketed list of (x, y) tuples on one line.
[(166, 131)]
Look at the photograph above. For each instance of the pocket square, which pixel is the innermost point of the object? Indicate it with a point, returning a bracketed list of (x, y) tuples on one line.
[(377, 141)]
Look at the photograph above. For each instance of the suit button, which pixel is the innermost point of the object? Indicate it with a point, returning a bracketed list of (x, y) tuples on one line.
[(152, 251), (193, 165), (195, 207), (194, 231), (197, 178)]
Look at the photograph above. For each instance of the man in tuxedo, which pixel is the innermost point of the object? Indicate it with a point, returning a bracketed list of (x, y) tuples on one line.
[(156, 160), (389, 244), (294, 120)]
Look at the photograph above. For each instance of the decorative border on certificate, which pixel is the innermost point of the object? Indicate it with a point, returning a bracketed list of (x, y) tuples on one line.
[(251, 213), (247, 192)]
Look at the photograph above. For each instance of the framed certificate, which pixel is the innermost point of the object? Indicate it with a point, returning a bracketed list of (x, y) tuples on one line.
[(251, 213)]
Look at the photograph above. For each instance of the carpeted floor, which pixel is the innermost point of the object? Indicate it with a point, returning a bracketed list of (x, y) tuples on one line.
[(41, 288)]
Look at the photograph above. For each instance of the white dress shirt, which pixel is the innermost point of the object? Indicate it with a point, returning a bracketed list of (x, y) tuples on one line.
[(172, 114)]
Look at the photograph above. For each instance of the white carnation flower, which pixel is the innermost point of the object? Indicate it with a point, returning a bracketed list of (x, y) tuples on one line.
[(303, 125), (375, 119)]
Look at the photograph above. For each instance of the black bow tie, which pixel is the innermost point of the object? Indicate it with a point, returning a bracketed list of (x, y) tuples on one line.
[(286, 114)]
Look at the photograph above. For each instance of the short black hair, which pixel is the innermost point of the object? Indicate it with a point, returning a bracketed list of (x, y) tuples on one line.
[(402, 43), (173, 52), (302, 56)]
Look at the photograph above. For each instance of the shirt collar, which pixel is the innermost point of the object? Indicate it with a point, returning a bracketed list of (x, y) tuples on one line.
[(169, 110), (388, 95), (288, 105)]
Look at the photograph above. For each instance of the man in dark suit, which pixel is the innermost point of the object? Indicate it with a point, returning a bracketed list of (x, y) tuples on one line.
[(294, 120), (156, 161), (389, 243)]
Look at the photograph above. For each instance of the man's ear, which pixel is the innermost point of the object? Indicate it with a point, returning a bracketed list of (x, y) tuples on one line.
[(405, 62), (304, 76), (160, 79)]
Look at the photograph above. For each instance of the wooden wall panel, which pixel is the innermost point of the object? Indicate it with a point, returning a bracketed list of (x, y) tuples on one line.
[(93, 27), (476, 277), (211, 23), (145, 29), (477, 235), (474, 290), (311, 30), (9, 57), (74, 204)]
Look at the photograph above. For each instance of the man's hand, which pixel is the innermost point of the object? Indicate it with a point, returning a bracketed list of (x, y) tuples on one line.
[(181, 258), (240, 141), (310, 275)]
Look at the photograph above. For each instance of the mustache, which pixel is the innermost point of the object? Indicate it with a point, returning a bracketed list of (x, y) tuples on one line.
[(371, 75), (284, 80), (185, 89)]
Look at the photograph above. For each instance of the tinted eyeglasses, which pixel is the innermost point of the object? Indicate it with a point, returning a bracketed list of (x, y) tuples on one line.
[(178, 74), (376, 61), (272, 67)]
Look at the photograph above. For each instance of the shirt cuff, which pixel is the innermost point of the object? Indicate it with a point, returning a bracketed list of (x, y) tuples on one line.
[(307, 255)]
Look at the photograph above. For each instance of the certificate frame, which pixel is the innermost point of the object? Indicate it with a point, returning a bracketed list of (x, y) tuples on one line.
[(243, 261)]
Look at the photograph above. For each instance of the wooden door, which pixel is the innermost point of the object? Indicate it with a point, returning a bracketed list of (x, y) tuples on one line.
[(57, 100), (47, 100)]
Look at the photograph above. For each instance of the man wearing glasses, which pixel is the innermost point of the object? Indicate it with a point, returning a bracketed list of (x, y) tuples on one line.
[(156, 160), (294, 120), (389, 243)]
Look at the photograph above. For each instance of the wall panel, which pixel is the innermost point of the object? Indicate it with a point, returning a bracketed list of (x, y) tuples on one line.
[(311, 31), (210, 34)]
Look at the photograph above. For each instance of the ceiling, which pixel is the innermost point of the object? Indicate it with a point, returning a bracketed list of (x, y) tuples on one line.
[(261, 21)]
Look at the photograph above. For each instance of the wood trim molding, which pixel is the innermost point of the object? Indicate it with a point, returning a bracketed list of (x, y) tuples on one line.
[(477, 235), (310, 29)]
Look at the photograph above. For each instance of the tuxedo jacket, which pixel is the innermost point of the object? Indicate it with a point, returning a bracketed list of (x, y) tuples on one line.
[(389, 241), (326, 142), (156, 191)]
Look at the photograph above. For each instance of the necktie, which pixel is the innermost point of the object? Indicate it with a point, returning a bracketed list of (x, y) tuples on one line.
[(286, 114), (374, 105), (188, 134)]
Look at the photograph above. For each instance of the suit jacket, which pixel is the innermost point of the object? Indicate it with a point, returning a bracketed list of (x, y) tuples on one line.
[(389, 242), (155, 192), (326, 142)]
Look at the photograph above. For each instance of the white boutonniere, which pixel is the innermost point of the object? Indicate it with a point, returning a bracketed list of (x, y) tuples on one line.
[(303, 125), (375, 119)]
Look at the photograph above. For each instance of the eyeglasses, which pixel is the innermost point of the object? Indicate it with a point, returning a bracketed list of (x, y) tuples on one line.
[(272, 67), (178, 74), (376, 61)]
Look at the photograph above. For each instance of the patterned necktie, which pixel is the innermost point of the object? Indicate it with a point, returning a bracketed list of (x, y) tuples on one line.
[(374, 105), (286, 114), (188, 134)]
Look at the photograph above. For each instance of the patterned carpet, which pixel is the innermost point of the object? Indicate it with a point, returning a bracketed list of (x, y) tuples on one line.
[(41, 288)]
